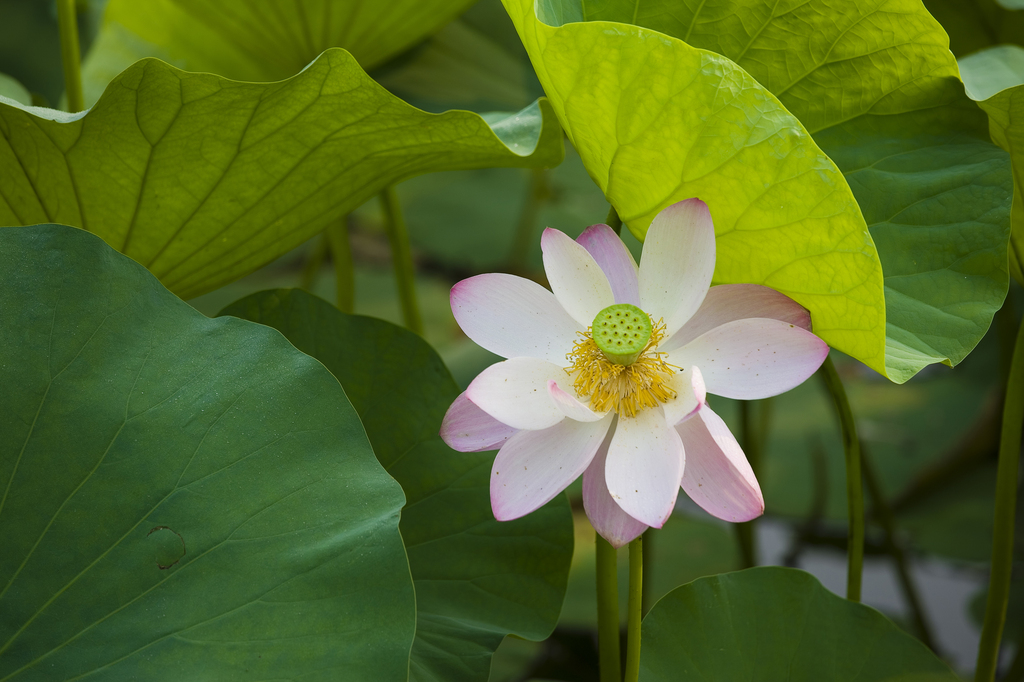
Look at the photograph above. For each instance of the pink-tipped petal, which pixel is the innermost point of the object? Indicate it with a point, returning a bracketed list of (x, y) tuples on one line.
[(534, 466), (571, 407), (678, 262), (515, 392), (514, 317), (645, 467), (576, 279), (691, 395), (615, 260), (753, 358), (718, 476), (607, 517), (467, 428), (729, 302)]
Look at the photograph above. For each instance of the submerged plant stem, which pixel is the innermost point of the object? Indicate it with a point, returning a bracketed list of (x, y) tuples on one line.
[(614, 221), (344, 269), (883, 514), (1006, 503), (854, 486), (609, 658), (633, 615), (401, 259), (70, 53)]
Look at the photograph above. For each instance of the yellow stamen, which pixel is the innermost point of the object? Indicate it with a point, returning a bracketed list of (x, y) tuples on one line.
[(627, 389)]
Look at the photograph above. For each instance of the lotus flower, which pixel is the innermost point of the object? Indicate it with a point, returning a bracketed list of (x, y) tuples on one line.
[(608, 374)]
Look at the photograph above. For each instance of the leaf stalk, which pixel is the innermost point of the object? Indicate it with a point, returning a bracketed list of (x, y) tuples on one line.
[(71, 56), (1005, 508), (401, 259)]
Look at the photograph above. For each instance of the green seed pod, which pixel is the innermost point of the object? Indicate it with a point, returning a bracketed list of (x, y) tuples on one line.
[(622, 331)]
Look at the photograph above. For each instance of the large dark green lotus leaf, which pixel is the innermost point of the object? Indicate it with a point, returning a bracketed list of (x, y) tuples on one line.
[(476, 579), (876, 85), (203, 180), (182, 498), (657, 121), (995, 79), (769, 624)]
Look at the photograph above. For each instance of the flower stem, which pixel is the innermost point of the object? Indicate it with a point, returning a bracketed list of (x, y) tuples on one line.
[(614, 221), (854, 486), (523, 241), (746, 532), (1006, 502), (401, 258), (344, 270), (636, 580), (71, 55), (610, 660)]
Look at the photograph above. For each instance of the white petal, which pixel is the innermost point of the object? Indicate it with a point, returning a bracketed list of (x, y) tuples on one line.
[(645, 467), (691, 394), (615, 261), (678, 262), (514, 317), (728, 302), (607, 517), (515, 392), (576, 279), (571, 407), (534, 466), (467, 428), (753, 358), (718, 476)]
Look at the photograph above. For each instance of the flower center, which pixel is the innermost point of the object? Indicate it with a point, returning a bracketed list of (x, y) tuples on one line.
[(616, 365), (622, 332)]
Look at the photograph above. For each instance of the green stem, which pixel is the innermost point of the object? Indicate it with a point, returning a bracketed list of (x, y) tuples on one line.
[(1006, 502), (636, 581), (608, 612), (344, 269), (614, 221), (401, 258), (645, 588), (745, 532), (883, 513), (523, 242), (854, 487), (70, 54)]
